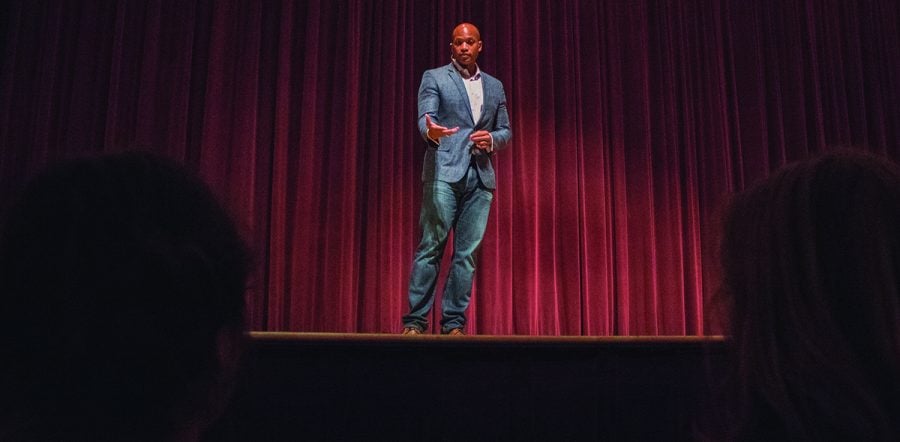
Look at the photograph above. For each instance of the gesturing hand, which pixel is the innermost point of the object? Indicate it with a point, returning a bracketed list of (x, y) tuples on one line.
[(436, 131)]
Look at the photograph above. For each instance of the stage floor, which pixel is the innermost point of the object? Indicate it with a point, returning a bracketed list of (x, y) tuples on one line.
[(381, 338)]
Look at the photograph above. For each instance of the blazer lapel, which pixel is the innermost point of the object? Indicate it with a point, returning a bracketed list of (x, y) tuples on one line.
[(457, 80), (489, 97)]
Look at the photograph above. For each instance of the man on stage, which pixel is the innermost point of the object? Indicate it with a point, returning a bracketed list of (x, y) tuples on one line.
[(463, 119)]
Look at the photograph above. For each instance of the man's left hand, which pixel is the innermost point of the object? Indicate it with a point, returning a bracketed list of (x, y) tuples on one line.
[(482, 139)]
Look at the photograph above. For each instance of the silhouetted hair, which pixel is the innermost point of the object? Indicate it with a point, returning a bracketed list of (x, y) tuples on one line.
[(117, 274), (811, 261)]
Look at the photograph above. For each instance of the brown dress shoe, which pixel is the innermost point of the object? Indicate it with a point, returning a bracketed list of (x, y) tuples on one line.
[(411, 331), (456, 332)]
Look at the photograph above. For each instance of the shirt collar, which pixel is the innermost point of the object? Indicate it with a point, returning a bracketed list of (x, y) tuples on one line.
[(465, 72)]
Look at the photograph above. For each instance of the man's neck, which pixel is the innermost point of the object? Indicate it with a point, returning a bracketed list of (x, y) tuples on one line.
[(465, 72)]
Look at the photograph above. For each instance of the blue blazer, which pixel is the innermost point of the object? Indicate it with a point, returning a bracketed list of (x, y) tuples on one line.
[(443, 96)]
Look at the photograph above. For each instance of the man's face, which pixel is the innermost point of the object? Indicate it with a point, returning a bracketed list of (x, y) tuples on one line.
[(465, 45)]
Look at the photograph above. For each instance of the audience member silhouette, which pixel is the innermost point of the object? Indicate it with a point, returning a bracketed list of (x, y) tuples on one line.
[(811, 261), (122, 286)]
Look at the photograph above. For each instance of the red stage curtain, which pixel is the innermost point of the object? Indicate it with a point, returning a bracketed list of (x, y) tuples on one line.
[(632, 121)]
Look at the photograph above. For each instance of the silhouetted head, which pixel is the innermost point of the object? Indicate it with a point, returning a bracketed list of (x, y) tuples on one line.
[(811, 261), (122, 286)]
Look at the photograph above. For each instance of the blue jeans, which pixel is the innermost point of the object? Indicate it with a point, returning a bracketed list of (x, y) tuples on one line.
[(464, 207)]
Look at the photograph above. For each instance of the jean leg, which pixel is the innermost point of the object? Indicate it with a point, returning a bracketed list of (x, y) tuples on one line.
[(435, 219), (475, 207)]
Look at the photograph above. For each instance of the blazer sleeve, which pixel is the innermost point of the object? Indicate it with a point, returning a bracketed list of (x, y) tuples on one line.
[(429, 102), (501, 133)]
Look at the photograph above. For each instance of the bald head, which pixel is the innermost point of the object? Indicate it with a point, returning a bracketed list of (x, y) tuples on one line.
[(472, 29), (465, 45)]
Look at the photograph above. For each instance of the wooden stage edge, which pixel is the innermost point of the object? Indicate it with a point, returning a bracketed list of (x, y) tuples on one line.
[(301, 338)]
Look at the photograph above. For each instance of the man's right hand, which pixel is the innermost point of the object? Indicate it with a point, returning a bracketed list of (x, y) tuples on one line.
[(436, 131)]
